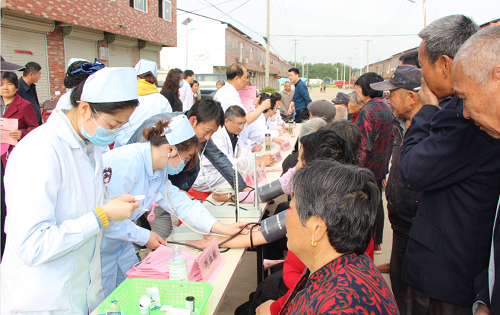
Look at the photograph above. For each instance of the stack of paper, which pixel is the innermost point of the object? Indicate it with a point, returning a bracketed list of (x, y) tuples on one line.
[(155, 266)]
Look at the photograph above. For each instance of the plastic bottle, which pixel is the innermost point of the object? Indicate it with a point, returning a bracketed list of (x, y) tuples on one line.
[(177, 266)]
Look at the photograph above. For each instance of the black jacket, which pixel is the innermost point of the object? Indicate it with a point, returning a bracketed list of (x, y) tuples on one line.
[(29, 93), (402, 203), (174, 101), (185, 179), (458, 169)]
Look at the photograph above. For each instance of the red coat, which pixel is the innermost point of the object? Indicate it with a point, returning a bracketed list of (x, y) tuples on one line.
[(23, 111)]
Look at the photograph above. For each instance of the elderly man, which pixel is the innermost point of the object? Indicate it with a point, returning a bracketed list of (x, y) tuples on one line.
[(454, 165), (286, 97), (341, 113), (402, 203), (218, 85), (322, 109), (477, 80)]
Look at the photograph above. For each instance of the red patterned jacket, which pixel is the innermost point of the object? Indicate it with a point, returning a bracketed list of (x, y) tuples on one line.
[(350, 284)]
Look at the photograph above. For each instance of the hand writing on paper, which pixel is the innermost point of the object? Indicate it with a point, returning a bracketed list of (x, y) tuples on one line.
[(264, 308), (16, 134), (257, 148), (155, 241)]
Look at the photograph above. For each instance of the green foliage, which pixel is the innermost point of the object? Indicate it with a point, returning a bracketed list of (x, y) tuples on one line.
[(324, 70), (268, 89)]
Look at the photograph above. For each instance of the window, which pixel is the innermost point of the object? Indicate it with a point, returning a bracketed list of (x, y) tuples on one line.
[(165, 9), (242, 50), (248, 52), (251, 53), (236, 47), (229, 44), (141, 5)]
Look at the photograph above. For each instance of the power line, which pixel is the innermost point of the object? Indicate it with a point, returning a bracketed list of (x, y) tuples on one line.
[(396, 35), (391, 20), (204, 7)]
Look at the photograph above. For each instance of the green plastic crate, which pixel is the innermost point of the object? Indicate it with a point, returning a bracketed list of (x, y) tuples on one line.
[(174, 293)]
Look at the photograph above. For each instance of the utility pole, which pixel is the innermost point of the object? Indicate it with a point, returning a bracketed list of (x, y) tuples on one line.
[(337, 73), (186, 22), (367, 56), (350, 70), (266, 81), (424, 12), (303, 60), (307, 71), (294, 60), (343, 82)]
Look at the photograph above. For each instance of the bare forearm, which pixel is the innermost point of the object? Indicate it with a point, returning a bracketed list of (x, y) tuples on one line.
[(251, 117), (241, 241)]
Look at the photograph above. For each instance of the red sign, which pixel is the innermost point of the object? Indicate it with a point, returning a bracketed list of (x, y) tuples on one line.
[(23, 52)]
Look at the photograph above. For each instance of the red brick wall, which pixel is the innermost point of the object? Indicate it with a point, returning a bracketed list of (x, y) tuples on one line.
[(254, 64), (55, 49), (106, 15)]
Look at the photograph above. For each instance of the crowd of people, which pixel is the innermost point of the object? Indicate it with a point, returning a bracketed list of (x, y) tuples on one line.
[(72, 219)]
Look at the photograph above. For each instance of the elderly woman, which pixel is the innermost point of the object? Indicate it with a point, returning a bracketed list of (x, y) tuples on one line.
[(353, 107), (375, 124), (329, 226)]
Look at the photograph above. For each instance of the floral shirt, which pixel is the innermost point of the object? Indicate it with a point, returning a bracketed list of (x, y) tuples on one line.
[(350, 284), (375, 124)]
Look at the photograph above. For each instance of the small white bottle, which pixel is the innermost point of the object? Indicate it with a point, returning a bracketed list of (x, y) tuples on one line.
[(177, 266)]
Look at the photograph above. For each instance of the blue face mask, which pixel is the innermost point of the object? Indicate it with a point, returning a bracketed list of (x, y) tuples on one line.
[(102, 137), (181, 84), (174, 171)]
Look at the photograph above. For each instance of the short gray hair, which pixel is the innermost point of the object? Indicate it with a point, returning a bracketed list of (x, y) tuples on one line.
[(446, 35), (354, 98), (341, 113), (344, 196), (311, 125), (480, 54), (221, 82), (323, 109)]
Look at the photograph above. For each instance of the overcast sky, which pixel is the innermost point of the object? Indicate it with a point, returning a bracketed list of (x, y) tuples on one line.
[(333, 17)]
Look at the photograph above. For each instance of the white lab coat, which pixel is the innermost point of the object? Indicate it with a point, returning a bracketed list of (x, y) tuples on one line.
[(229, 96), (149, 105), (64, 101), (274, 125), (186, 96), (50, 264), (209, 173), (133, 174)]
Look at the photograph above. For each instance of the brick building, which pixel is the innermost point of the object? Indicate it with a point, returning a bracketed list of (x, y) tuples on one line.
[(213, 45), (50, 32), (385, 67)]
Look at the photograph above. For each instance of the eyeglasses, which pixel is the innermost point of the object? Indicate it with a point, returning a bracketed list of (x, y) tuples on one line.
[(123, 127), (240, 125), (186, 160)]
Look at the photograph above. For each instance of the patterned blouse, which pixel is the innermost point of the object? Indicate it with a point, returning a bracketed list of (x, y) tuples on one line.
[(350, 284), (375, 124)]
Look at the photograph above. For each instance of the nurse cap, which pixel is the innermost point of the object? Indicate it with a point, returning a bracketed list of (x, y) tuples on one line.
[(179, 130), (110, 85), (144, 66)]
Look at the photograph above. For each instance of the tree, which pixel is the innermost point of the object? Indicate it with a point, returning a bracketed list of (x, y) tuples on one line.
[(322, 70)]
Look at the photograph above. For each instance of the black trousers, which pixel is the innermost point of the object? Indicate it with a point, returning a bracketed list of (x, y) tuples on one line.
[(409, 301), (270, 289), (378, 229), (301, 115)]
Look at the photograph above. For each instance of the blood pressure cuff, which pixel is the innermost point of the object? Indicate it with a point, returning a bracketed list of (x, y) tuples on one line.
[(274, 228), (270, 191)]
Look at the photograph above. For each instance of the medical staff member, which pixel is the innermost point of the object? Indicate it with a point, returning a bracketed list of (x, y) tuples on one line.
[(56, 207), (78, 71), (151, 102), (141, 169)]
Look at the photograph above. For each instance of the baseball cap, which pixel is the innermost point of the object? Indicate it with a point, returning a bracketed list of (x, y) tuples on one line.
[(405, 77), (9, 66), (341, 98)]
